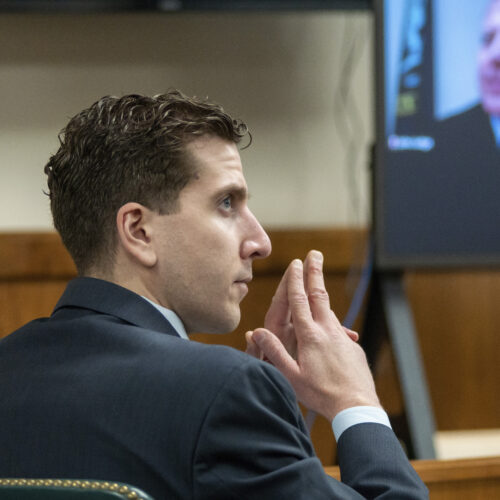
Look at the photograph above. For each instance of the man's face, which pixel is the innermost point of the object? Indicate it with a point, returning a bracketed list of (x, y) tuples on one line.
[(489, 61), (206, 249)]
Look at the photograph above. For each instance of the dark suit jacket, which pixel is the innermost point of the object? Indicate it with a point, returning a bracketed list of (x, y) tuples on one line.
[(451, 205), (468, 162), (105, 389)]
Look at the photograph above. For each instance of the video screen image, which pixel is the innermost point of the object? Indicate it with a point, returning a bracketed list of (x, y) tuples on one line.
[(437, 179)]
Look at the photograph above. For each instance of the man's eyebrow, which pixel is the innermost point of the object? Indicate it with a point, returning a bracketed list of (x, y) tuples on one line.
[(237, 190)]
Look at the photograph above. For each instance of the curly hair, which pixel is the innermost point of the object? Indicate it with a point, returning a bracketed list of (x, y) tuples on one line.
[(124, 149)]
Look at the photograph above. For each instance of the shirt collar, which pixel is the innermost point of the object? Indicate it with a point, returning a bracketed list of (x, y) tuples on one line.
[(171, 317), (495, 125)]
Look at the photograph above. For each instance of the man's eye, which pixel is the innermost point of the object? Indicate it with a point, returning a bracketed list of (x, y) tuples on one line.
[(487, 38), (227, 203)]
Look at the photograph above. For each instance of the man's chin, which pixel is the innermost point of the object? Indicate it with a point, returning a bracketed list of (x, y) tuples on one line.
[(221, 325), (492, 105)]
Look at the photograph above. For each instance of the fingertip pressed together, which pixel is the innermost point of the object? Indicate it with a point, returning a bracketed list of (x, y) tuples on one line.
[(317, 255), (258, 335), (352, 334)]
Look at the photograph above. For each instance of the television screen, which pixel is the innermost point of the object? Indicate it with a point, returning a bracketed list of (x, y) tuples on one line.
[(82, 6), (437, 163)]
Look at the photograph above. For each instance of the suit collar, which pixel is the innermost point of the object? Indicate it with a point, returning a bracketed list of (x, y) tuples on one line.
[(108, 298)]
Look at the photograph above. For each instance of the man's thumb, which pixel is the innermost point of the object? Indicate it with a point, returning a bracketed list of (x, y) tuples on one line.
[(274, 351)]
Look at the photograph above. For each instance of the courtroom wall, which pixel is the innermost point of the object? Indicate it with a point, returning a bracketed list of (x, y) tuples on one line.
[(280, 72)]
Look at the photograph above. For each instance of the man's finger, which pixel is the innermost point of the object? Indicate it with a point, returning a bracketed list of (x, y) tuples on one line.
[(306, 277), (316, 290), (252, 348), (274, 351), (278, 313), (297, 298), (351, 334)]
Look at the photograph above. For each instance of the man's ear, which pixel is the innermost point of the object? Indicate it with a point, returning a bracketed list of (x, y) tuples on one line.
[(134, 227)]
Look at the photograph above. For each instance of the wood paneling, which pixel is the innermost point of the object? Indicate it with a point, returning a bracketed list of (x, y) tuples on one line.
[(23, 301), (34, 255), (34, 270), (457, 315)]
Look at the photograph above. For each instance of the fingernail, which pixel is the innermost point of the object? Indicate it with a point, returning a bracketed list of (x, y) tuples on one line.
[(297, 264), (316, 255)]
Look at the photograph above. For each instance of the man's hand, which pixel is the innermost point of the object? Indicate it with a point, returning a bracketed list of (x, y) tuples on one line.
[(279, 318), (305, 341)]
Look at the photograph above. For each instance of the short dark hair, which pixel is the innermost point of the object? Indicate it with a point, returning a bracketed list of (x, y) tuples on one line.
[(124, 149)]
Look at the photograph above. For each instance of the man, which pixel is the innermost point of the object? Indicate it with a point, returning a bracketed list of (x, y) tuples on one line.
[(481, 123), (149, 197), (462, 199), (450, 208), (489, 67)]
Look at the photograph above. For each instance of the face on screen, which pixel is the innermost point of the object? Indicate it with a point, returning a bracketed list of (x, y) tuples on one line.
[(489, 60)]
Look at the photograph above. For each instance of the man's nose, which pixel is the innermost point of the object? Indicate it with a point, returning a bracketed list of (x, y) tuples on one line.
[(494, 49), (257, 244)]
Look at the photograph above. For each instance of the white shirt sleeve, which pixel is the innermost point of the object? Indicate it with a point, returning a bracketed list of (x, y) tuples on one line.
[(358, 415)]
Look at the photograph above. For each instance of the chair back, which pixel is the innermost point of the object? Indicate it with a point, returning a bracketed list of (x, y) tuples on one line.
[(68, 489)]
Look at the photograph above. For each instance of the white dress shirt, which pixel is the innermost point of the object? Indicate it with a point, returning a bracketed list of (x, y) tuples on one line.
[(495, 125)]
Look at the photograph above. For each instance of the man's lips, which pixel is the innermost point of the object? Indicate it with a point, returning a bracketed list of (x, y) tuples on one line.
[(491, 83), (243, 284), (244, 280)]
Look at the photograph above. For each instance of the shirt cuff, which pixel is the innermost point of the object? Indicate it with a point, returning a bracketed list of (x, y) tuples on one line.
[(358, 415)]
